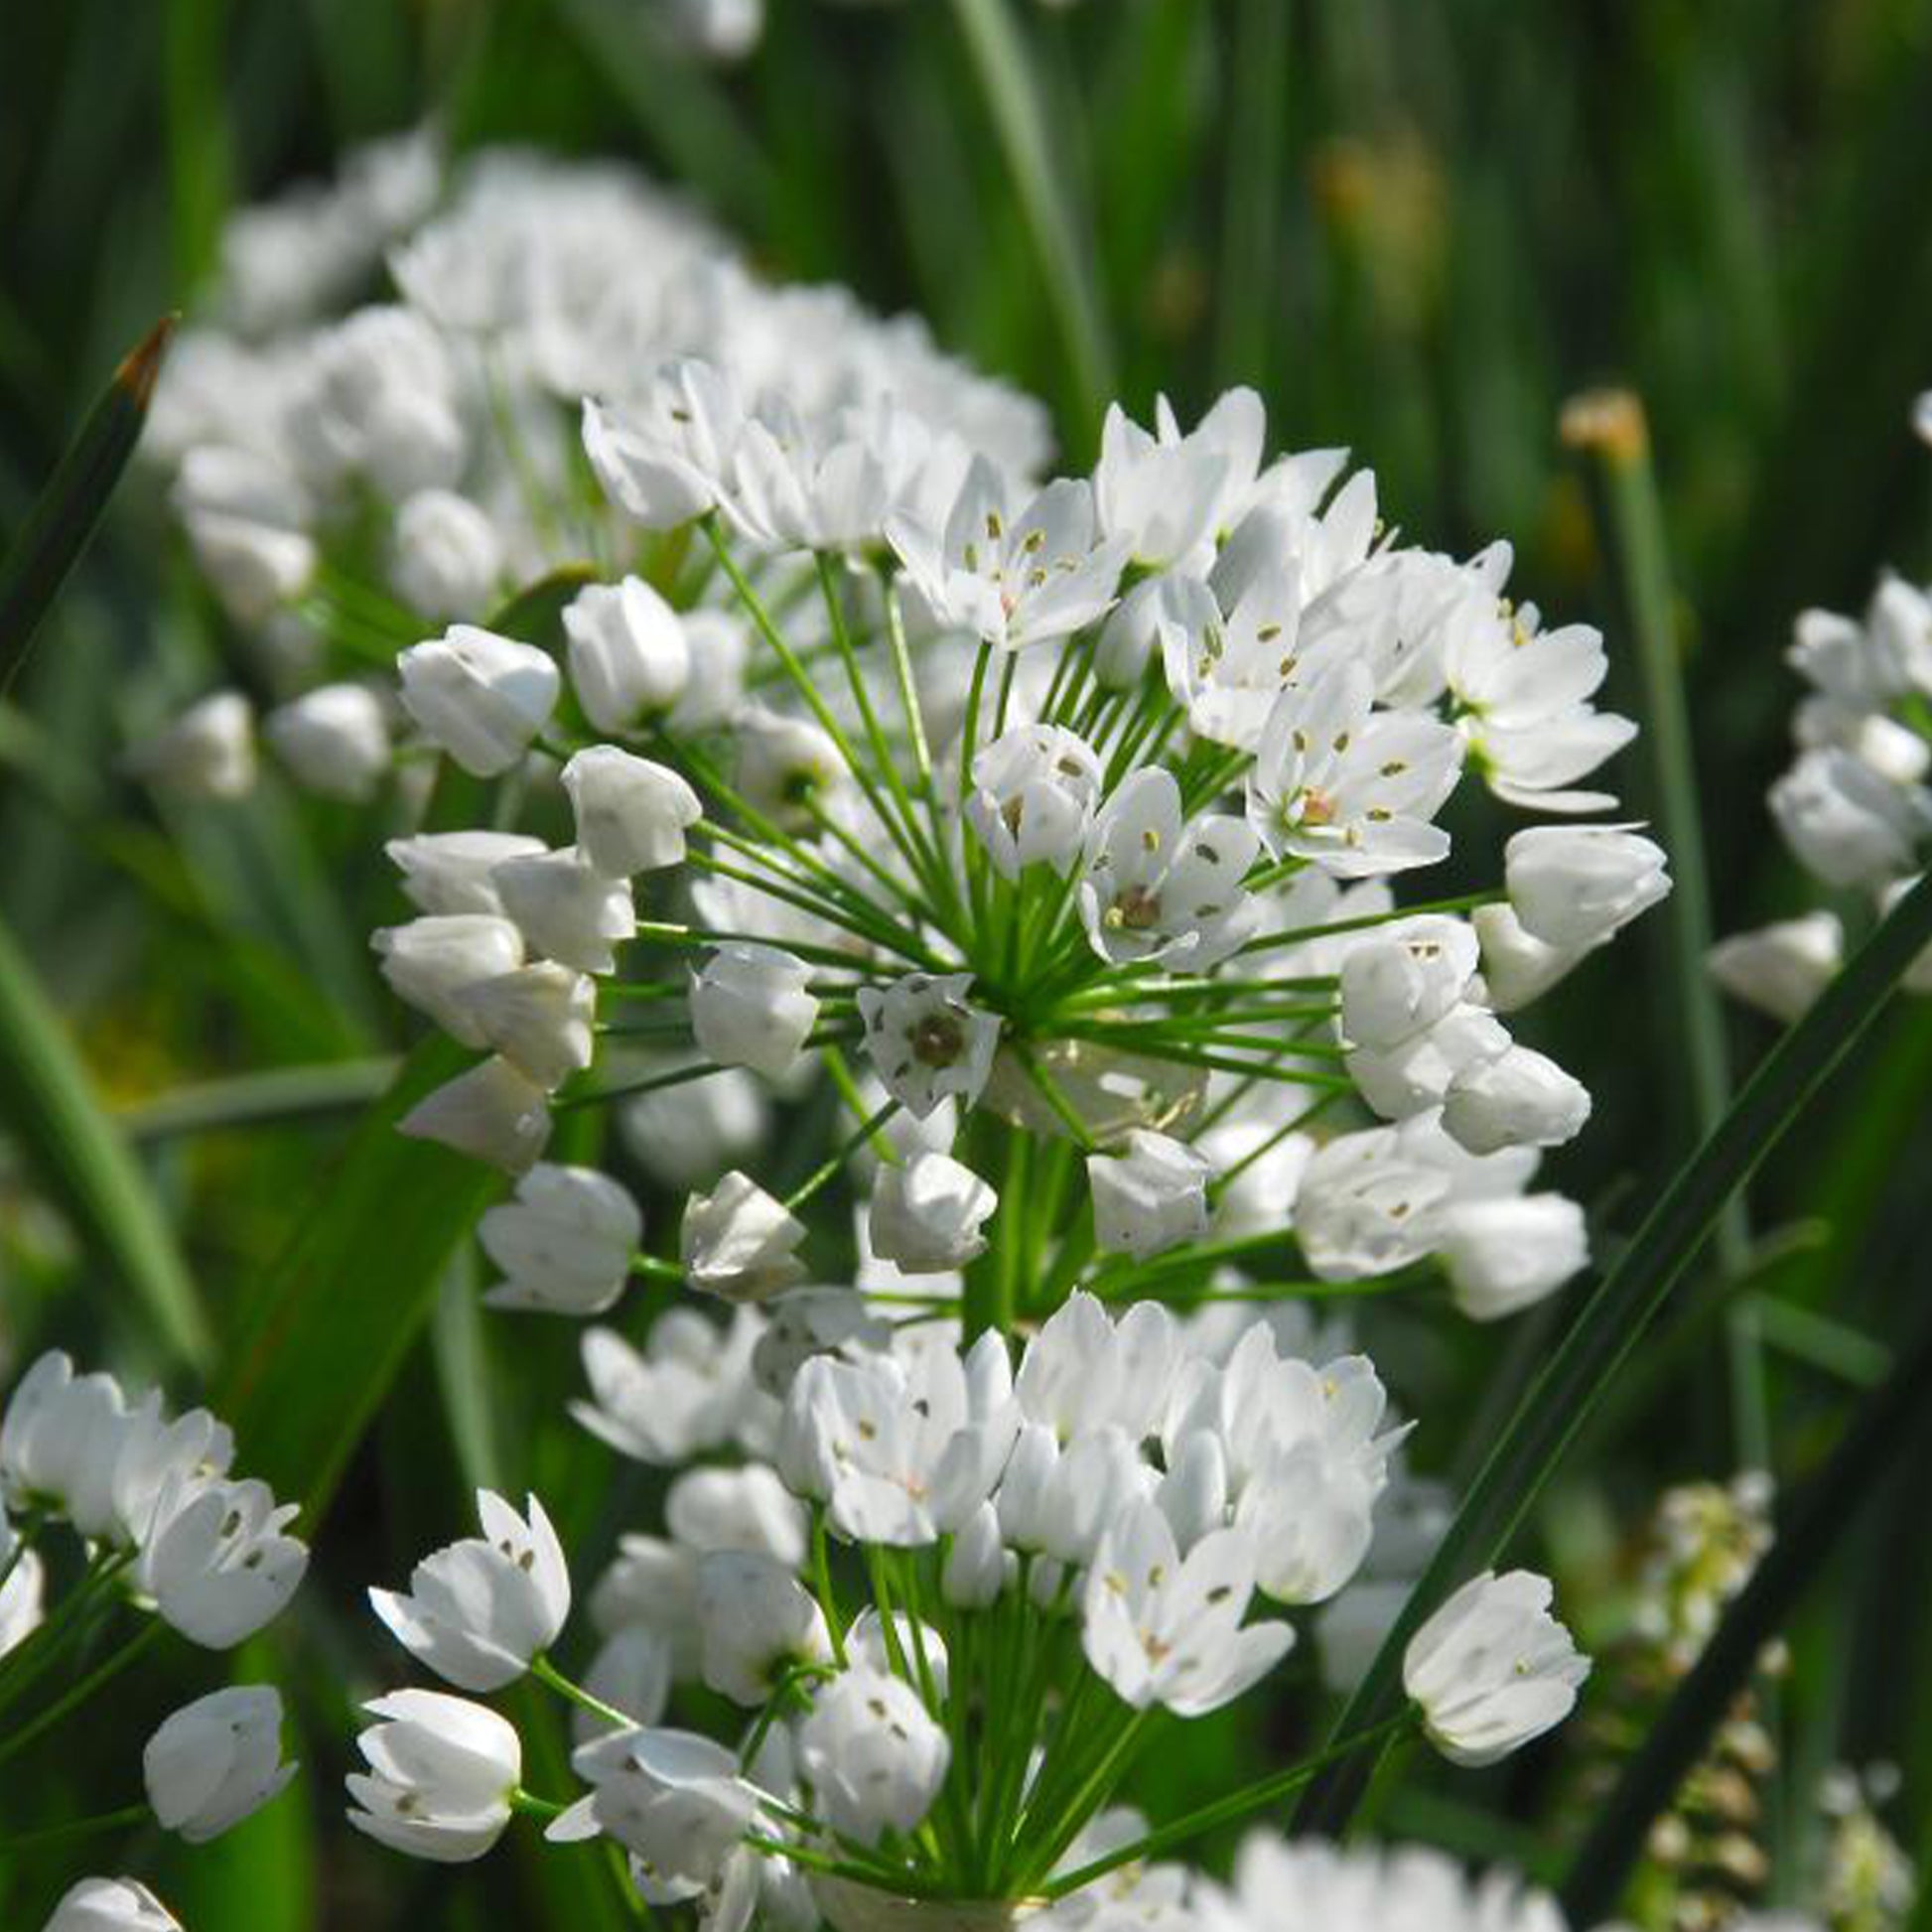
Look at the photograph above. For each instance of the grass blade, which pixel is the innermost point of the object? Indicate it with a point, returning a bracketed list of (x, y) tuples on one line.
[(64, 518), (338, 1313), (50, 1106), (1002, 65), (1616, 1317), (1826, 1510)]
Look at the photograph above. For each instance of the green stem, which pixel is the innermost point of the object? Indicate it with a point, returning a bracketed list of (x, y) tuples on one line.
[(106, 1821), (102, 1674), (547, 1674)]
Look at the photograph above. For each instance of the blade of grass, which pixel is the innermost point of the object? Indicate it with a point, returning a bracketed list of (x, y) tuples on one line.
[(1251, 242), (277, 1093), (1000, 66), (1620, 1311), (335, 1316), (68, 511), (1673, 1743), (51, 1108)]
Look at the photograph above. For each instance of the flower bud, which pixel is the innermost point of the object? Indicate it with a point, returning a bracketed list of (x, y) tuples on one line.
[(1520, 1098), (1503, 1254), (1517, 966), (481, 698), (565, 1243), (568, 910), (756, 1622), (1492, 1669), (631, 814), (628, 654), (449, 872), (538, 1016), (493, 1113), (926, 1213), (783, 764), (1574, 886), (110, 1906), (976, 1565), (873, 1754), (750, 1008), (442, 1773), (208, 751), (432, 961), (1781, 968), (1399, 982), (739, 1243), (448, 559), (1151, 1197), (333, 739), (215, 1761)]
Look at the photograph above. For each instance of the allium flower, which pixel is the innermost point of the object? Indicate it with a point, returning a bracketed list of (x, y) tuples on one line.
[(566, 1242), (1783, 967), (479, 1610), (873, 1755), (334, 738), (538, 1016), (1163, 1629), (1158, 888), (629, 656), (758, 1621), (449, 872), (672, 1798), (1169, 493), (449, 558), (60, 1440), (1035, 791), (1152, 1196), (739, 1243), (111, 1906), (566, 909), (215, 1761), (208, 751), (926, 1213), (1576, 885), (1492, 1669), (442, 1772), (495, 1112), (750, 1008), (217, 1562), (1348, 787), (928, 1041), (431, 962), (479, 697), (631, 814)]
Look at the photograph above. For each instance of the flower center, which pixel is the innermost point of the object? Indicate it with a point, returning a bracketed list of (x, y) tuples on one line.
[(938, 1041)]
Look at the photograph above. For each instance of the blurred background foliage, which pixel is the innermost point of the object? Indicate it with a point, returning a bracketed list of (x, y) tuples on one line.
[(1418, 229)]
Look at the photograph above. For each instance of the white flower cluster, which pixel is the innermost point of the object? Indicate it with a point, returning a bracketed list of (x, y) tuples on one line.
[(1855, 805), (1051, 1552), (170, 1533)]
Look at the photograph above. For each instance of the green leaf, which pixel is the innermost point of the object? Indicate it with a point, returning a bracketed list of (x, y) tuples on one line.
[(63, 517), (50, 1106), (1557, 1403), (338, 1313)]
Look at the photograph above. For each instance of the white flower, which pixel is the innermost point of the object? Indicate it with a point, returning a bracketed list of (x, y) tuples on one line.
[(208, 751), (111, 1906), (1161, 1628), (215, 1761), (1166, 495), (1034, 792), (1152, 1196), (1783, 967), (691, 1133), (567, 909), (1846, 822), (750, 1008), (630, 657), (1517, 966), (1363, 1205), (21, 1609), (873, 1755), (1162, 888), (1531, 728), (632, 1672), (1417, 1073), (539, 1016), (901, 1450), (1085, 1370), (154, 1453), (432, 961), (442, 1772), (448, 871), (493, 1113), (1348, 787), (1503, 1254), (217, 1562), (1366, 1888), (927, 1212), (334, 738), (691, 1391), (1400, 981), (565, 1243), (756, 1622), (1058, 1501), (665, 462), (481, 698), (448, 559), (60, 1442), (1013, 575), (977, 1565), (1574, 886), (255, 567), (738, 1242), (746, 1508), (672, 1798), (783, 764), (1519, 1098), (631, 814), (480, 1608), (1492, 1669), (927, 1040)]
